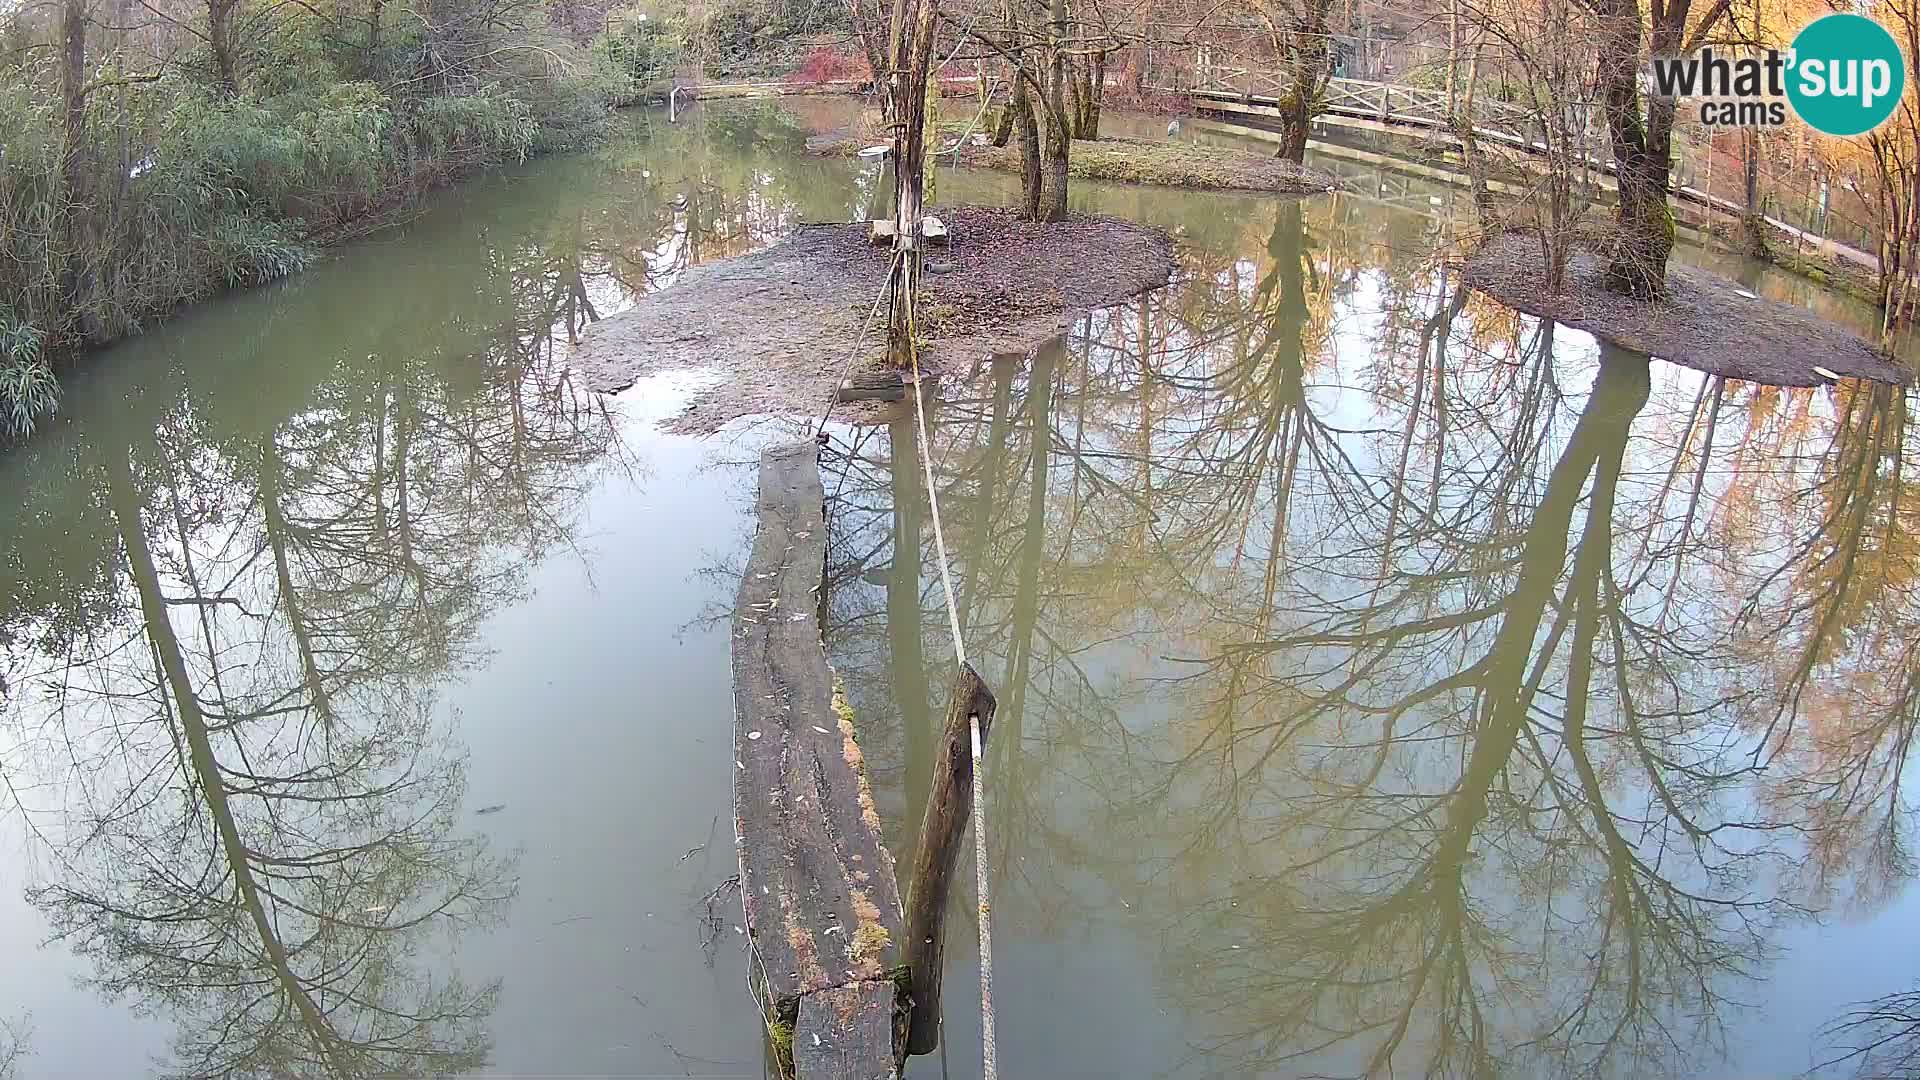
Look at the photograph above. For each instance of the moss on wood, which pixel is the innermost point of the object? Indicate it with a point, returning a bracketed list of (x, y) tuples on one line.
[(780, 1041)]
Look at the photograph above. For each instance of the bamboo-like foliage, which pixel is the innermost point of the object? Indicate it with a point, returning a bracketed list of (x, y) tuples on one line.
[(141, 172)]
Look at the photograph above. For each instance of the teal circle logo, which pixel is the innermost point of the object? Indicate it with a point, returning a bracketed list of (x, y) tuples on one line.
[(1846, 75)]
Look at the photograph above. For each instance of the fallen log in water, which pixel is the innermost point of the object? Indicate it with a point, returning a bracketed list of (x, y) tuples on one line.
[(822, 906)]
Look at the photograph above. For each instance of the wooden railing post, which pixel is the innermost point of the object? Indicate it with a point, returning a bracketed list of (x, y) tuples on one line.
[(949, 804)]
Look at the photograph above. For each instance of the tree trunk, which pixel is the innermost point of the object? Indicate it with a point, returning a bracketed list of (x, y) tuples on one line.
[(1059, 133), (930, 142), (1642, 149), (1470, 149), (1753, 226), (1031, 188), (1091, 129), (74, 202), (1077, 95), (1309, 62), (1453, 61), (907, 87), (1295, 124), (375, 10), (863, 16), (1059, 141), (220, 43)]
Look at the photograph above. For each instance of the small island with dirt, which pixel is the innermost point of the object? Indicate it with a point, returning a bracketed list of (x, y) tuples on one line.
[(779, 327), (1700, 320)]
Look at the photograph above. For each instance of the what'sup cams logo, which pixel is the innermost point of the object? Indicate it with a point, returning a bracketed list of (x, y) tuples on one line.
[(1843, 75)]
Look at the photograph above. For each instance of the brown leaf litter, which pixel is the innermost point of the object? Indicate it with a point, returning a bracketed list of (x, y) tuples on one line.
[(1706, 321)]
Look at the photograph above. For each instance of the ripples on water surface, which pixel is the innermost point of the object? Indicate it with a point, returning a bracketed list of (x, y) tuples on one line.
[(1388, 682)]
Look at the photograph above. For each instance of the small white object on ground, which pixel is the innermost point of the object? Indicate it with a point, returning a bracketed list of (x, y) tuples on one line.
[(932, 227), (979, 138), (1748, 295), (1826, 373), (876, 151)]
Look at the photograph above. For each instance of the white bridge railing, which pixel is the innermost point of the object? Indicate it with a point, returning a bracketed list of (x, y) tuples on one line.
[(1387, 103)]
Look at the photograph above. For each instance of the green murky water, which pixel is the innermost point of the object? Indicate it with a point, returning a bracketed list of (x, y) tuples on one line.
[(1390, 684)]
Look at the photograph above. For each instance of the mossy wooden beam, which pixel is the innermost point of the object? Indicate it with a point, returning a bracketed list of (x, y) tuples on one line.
[(821, 903)]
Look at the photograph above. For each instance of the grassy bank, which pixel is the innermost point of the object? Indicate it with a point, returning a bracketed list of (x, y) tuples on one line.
[(1169, 163), (150, 159), (159, 192)]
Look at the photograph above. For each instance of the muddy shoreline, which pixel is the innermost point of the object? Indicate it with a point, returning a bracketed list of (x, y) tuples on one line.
[(778, 327), (1706, 321)]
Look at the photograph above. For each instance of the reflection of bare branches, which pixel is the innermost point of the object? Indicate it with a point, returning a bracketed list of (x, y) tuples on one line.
[(713, 919), (262, 833), (1880, 1038), (1375, 925), (1453, 776), (275, 877), (16, 1038)]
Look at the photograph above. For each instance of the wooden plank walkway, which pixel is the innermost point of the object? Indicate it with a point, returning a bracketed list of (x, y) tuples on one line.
[(822, 905)]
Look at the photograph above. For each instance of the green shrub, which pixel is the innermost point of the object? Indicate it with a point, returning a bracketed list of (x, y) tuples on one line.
[(28, 390), (471, 130), (567, 92), (179, 191), (251, 251), (640, 46)]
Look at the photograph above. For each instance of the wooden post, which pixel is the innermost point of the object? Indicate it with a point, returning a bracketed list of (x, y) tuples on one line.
[(949, 805)]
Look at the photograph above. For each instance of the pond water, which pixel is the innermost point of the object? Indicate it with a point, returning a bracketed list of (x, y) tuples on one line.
[(1389, 683)]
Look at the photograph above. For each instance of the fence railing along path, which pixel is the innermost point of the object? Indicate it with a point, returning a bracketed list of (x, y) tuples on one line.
[(1231, 92)]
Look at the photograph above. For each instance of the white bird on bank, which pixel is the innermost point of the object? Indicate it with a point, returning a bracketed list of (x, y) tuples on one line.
[(1173, 127)]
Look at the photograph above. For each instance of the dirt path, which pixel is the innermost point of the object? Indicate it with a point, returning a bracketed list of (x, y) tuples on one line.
[(778, 326), (1706, 322)]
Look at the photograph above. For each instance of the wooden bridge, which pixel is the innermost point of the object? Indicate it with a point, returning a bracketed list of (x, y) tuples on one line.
[(1250, 97)]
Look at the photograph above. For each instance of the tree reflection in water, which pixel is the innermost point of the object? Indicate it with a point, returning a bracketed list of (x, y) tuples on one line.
[(249, 790), (1436, 694), (1467, 704)]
